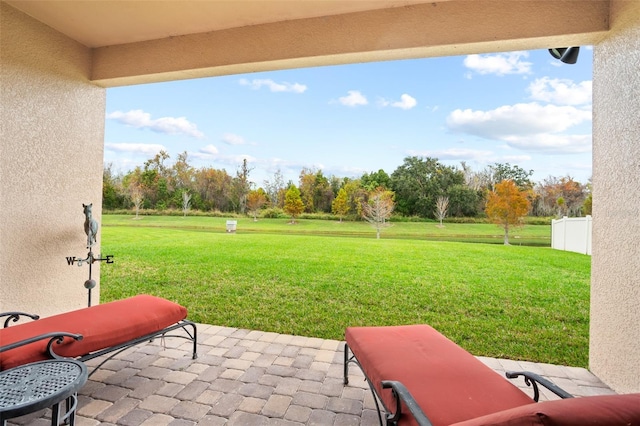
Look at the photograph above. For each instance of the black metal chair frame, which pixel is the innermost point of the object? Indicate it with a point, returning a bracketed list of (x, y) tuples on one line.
[(402, 395)]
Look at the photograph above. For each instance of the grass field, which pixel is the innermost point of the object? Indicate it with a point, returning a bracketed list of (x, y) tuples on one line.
[(533, 235), (526, 303)]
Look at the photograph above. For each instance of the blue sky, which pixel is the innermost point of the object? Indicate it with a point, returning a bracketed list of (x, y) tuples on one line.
[(523, 108)]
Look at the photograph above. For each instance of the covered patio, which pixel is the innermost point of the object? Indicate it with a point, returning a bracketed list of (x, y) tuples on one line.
[(58, 59), (252, 378)]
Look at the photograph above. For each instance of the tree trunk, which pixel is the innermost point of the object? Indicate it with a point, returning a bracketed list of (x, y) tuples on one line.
[(506, 235)]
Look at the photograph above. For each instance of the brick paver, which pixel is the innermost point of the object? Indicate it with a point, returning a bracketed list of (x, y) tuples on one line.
[(245, 377)]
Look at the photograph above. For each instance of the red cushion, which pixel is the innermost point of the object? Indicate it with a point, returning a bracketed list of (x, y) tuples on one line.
[(449, 384), (609, 410), (101, 326)]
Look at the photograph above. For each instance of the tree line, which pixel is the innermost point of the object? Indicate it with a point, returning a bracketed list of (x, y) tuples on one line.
[(418, 188)]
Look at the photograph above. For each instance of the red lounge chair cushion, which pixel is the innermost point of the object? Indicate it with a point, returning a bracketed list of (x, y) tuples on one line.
[(101, 326), (449, 384), (609, 410)]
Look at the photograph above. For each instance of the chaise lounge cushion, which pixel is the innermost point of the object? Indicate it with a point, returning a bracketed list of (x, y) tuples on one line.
[(451, 386), (609, 410), (102, 326)]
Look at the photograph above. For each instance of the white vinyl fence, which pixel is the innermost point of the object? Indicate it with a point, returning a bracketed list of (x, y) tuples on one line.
[(572, 234)]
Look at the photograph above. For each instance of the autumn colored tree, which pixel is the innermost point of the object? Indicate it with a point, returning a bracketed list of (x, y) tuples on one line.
[(378, 209), (293, 204), (506, 206), (340, 205), (255, 200), (307, 188), (560, 196)]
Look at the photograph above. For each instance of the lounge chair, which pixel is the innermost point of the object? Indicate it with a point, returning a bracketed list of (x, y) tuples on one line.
[(422, 378), (92, 332)]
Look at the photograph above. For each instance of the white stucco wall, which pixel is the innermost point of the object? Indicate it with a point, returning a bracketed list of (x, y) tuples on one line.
[(51, 157), (614, 353)]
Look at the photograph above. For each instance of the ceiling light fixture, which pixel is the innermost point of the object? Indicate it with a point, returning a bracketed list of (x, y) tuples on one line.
[(568, 55)]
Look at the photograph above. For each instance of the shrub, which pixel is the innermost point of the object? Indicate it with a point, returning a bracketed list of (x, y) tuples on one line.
[(273, 213)]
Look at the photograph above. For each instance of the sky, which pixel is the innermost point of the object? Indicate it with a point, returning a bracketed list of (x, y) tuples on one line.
[(523, 108)]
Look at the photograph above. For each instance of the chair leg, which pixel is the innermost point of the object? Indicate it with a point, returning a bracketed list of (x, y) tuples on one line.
[(346, 364)]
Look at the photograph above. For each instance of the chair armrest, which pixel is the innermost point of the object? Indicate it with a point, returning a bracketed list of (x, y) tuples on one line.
[(55, 337), (534, 379), (401, 394), (15, 316)]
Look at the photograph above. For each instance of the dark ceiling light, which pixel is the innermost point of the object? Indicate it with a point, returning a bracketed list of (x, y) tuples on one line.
[(568, 55)]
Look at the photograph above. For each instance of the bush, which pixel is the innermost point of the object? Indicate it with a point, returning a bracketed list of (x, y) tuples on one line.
[(537, 220), (273, 213)]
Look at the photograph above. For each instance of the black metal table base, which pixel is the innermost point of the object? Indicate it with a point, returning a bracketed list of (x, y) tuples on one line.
[(32, 387)]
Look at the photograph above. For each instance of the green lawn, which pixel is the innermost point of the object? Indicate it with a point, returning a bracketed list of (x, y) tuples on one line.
[(527, 303), (535, 235)]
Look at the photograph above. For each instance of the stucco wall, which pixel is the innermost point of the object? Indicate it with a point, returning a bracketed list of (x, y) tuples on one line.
[(51, 136), (615, 278)]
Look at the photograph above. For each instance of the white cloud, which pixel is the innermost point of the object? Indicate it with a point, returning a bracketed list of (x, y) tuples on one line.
[(209, 149), (406, 102), (551, 144), (529, 127), (208, 152), (233, 139), (257, 84), (515, 158), (211, 153), (561, 91), (518, 119), (148, 149), (168, 125), (459, 154), (354, 98), (499, 64)]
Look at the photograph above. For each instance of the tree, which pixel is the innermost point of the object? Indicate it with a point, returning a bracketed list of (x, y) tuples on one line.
[(135, 192), (356, 195), (112, 193), (183, 172), (559, 196), (307, 188), (442, 204), (378, 209), (506, 206), (186, 202), (517, 174), (275, 189), (214, 188), (255, 200), (374, 180), (464, 201), (242, 186), (418, 182), (340, 205), (293, 204)]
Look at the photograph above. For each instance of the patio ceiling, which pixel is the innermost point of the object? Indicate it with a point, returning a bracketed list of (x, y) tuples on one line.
[(145, 41), (107, 23)]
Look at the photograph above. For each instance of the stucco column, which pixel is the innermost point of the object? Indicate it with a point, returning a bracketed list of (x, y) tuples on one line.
[(615, 278), (51, 144)]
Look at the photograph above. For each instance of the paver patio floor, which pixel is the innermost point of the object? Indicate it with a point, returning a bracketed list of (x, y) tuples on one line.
[(244, 377)]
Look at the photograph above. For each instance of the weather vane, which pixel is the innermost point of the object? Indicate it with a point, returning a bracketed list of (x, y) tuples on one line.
[(91, 229)]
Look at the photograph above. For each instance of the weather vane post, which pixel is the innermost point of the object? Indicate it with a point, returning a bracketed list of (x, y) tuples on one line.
[(91, 229)]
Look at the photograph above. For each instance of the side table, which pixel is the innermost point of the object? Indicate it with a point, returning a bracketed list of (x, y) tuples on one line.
[(32, 387)]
